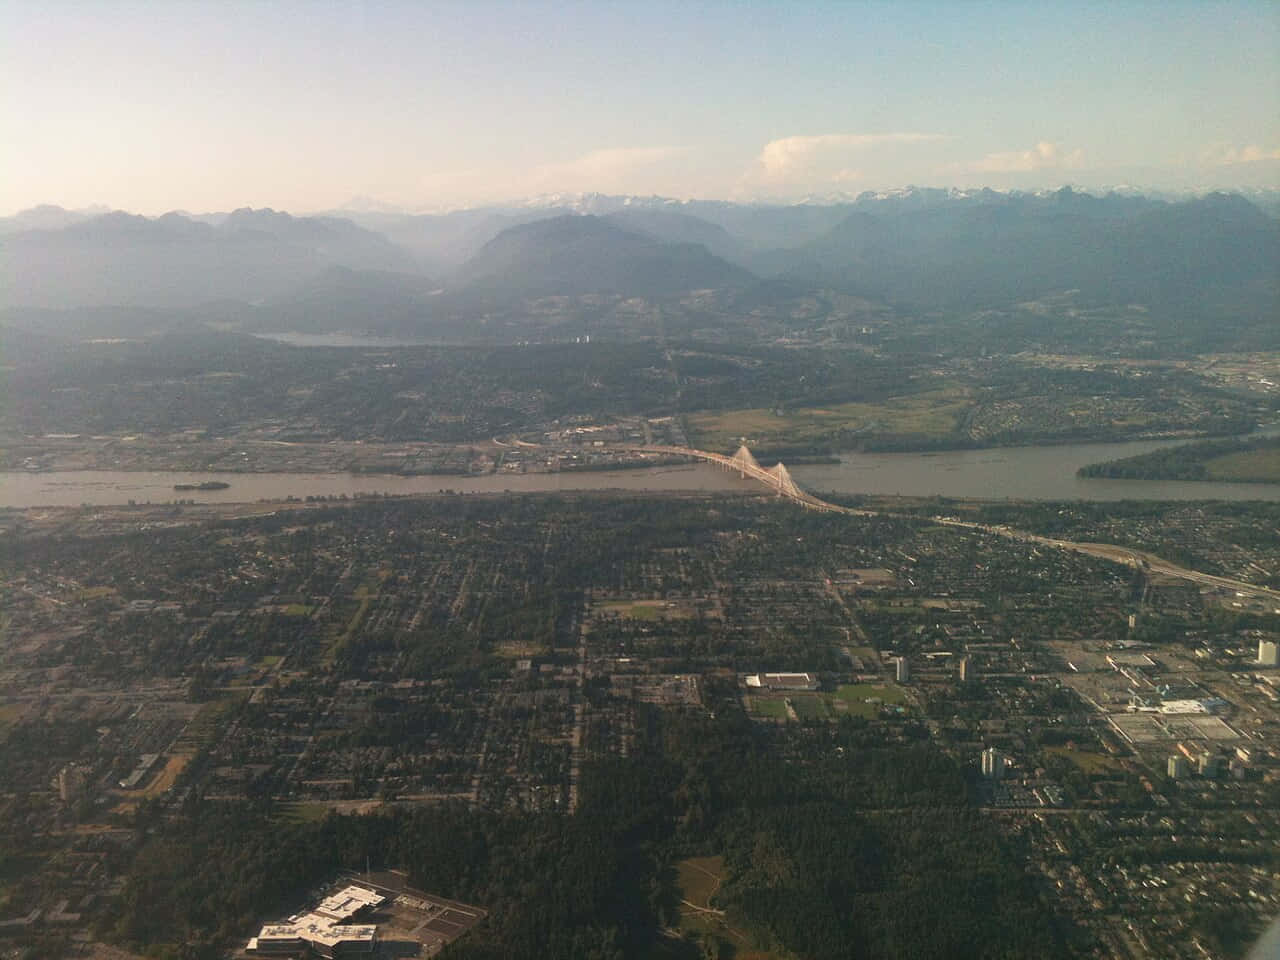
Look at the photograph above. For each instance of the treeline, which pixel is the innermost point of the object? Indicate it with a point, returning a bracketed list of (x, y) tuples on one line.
[(1192, 461)]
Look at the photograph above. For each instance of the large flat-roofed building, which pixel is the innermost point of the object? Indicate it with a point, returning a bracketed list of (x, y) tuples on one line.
[(349, 902), (783, 681), (313, 932), (326, 930)]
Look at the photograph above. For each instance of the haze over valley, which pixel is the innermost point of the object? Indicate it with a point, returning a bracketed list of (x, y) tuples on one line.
[(639, 481)]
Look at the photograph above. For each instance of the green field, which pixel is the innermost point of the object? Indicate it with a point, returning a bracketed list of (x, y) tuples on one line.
[(635, 611), (856, 696), (930, 414), (645, 609), (1255, 466), (774, 709), (1088, 761), (811, 707), (294, 812)]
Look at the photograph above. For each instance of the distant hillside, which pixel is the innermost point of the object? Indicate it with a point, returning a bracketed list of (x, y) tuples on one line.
[(673, 226), (350, 300), (573, 255), (1213, 257), (118, 259)]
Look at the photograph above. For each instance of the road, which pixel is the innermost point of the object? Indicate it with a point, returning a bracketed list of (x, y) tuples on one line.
[(777, 479)]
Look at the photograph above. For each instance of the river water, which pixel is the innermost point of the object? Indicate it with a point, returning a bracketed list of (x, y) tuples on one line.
[(1032, 473)]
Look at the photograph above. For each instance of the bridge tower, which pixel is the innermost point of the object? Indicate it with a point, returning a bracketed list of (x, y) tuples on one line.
[(745, 461), (782, 479)]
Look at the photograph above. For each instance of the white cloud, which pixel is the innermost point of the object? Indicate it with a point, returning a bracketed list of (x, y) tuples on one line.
[(789, 156), (1045, 155), (1229, 155), (604, 166)]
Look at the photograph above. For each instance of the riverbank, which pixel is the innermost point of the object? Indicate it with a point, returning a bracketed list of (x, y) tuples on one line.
[(1013, 473)]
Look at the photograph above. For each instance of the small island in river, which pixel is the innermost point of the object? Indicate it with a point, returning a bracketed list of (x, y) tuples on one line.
[(203, 485)]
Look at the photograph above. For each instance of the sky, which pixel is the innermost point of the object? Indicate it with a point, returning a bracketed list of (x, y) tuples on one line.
[(306, 106)]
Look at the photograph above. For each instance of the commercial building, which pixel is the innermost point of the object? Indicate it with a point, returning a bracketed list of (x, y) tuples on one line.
[(783, 681), (1268, 653), (993, 763), (902, 671), (1209, 764), (71, 780), (326, 930)]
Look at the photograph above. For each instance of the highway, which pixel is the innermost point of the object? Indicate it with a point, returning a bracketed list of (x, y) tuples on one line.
[(778, 479)]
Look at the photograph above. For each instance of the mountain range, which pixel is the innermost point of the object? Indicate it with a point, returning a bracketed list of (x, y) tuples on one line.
[(1208, 260)]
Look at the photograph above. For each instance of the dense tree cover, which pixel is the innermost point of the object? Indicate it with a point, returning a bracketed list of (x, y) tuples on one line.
[(1192, 461), (836, 846)]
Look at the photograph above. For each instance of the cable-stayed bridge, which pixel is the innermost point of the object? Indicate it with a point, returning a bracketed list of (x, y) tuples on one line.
[(776, 478)]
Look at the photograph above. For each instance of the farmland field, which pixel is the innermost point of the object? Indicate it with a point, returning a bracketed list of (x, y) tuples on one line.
[(934, 413)]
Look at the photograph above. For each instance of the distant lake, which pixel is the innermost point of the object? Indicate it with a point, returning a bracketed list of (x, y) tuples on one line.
[(1023, 473)]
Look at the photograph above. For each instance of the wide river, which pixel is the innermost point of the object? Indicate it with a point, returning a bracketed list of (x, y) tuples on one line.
[(1034, 473)]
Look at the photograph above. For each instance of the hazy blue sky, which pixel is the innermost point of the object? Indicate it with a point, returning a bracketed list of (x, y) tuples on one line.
[(303, 106)]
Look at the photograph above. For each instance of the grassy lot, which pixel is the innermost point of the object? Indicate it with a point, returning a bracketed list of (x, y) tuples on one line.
[(699, 879), (634, 611), (934, 413), (1089, 761), (645, 609), (810, 707), (773, 708), (298, 610), (520, 651), (856, 696), (1257, 466), (301, 812)]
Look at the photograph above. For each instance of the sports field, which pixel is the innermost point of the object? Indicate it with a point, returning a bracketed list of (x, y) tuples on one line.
[(865, 699)]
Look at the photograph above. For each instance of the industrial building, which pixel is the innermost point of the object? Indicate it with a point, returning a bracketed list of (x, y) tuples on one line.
[(903, 670), (783, 681), (326, 931), (1268, 653)]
